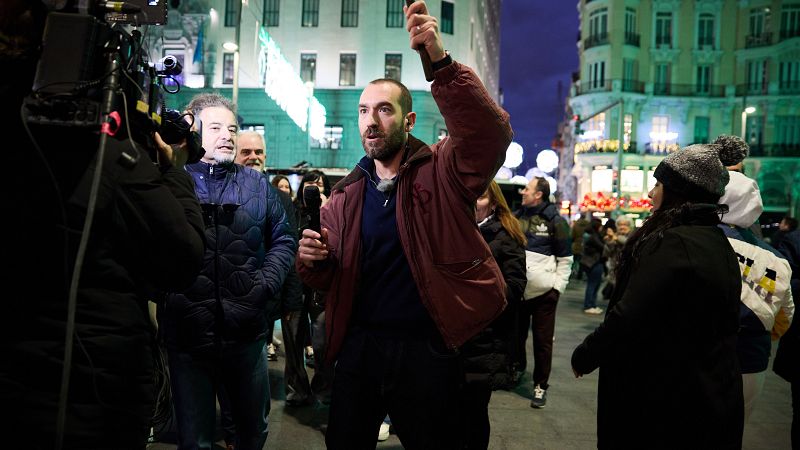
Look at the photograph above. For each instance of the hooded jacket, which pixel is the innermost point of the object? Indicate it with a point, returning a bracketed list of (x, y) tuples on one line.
[(250, 250), (766, 274), (459, 282)]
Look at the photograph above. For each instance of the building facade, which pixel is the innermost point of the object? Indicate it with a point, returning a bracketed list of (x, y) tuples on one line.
[(326, 49), (657, 75)]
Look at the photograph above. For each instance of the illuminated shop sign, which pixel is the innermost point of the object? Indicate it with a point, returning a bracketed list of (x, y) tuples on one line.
[(283, 85), (651, 180), (632, 179), (602, 179)]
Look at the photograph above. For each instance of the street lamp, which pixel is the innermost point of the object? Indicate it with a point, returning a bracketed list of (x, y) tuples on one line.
[(745, 112)]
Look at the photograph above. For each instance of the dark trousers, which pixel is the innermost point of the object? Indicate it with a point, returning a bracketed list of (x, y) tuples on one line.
[(539, 315), (242, 370), (322, 381), (226, 416), (417, 383), (475, 415), (593, 282), (298, 389)]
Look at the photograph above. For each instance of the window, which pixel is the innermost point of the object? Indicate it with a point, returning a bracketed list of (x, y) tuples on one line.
[(232, 12), (347, 69), (757, 77), (661, 79), (631, 36), (597, 75), (703, 80), (701, 130), (332, 138), (787, 130), (393, 66), (790, 21), (394, 14), (754, 130), (258, 128), (349, 13), (789, 77), (310, 17), (759, 21), (308, 67), (598, 23), (705, 31), (660, 128), (664, 29), (446, 22), (630, 21), (595, 128), (629, 75), (227, 68), (272, 10)]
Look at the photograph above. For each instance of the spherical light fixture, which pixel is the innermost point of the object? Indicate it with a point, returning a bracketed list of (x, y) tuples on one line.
[(547, 160), (513, 156)]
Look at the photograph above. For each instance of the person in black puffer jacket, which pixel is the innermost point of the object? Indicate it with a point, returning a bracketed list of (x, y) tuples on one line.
[(215, 331), (488, 355)]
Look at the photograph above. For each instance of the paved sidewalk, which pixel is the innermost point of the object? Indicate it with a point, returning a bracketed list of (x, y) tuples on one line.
[(568, 421)]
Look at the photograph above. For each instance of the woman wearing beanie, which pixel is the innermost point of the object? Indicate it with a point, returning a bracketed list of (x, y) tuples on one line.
[(669, 373)]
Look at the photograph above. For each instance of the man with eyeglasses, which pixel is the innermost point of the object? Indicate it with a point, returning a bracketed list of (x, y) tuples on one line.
[(216, 330)]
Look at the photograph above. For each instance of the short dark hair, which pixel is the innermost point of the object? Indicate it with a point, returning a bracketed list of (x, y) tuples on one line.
[(543, 186), (314, 175), (791, 222), (406, 105), (207, 100)]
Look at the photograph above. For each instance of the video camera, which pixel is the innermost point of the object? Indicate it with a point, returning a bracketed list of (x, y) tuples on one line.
[(95, 75)]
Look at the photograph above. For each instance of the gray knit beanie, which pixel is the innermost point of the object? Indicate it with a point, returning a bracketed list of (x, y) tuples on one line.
[(698, 172)]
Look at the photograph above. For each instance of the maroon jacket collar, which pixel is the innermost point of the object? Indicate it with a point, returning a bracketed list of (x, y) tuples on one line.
[(416, 151)]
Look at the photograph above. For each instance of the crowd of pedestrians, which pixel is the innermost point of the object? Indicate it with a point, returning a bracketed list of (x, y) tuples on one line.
[(409, 286)]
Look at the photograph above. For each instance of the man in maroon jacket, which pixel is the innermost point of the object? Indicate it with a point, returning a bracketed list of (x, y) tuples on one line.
[(407, 274)]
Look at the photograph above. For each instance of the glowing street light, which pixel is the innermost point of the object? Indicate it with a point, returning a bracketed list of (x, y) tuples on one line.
[(745, 112), (513, 156)]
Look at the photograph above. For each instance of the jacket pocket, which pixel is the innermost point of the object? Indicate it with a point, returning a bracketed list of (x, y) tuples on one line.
[(460, 268)]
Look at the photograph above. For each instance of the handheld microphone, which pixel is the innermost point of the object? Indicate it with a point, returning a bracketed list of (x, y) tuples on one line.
[(313, 201)]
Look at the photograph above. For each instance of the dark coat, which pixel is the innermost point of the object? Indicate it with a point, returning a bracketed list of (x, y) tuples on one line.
[(147, 235), (291, 296), (787, 357), (669, 373), (250, 250), (487, 356)]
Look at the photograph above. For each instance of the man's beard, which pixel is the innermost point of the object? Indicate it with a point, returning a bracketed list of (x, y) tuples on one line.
[(223, 158), (392, 143)]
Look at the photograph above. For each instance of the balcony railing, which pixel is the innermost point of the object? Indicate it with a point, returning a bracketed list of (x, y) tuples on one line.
[(689, 90), (788, 34), (775, 149), (632, 86), (751, 89), (789, 87), (632, 39), (595, 40), (758, 40), (594, 86)]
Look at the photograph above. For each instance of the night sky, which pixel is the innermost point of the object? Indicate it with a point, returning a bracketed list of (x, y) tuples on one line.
[(537, 50)]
